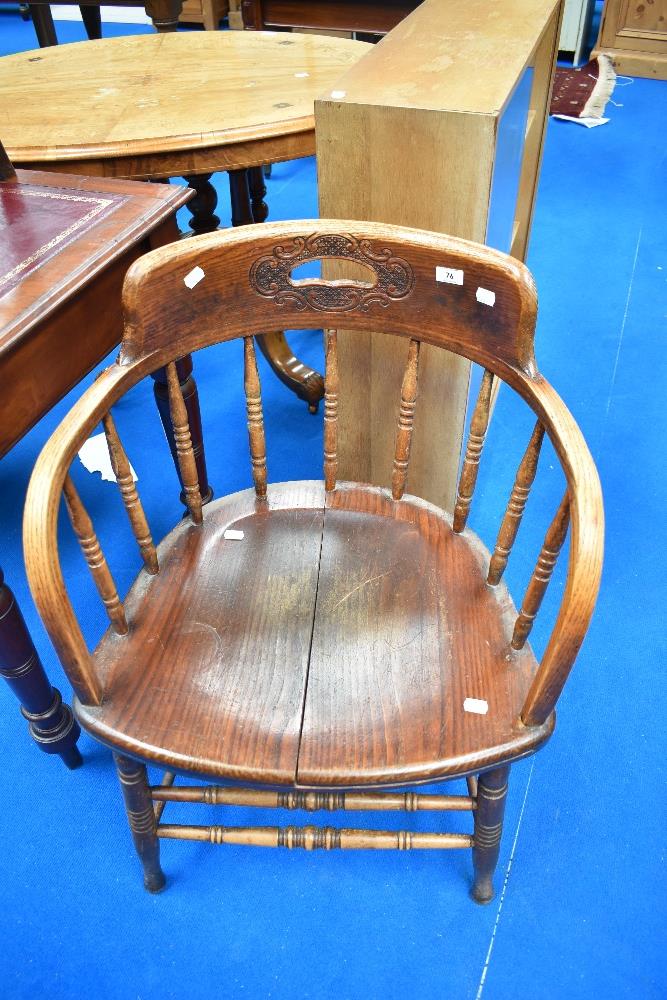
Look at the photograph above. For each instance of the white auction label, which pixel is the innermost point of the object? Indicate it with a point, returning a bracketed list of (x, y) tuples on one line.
[(193, 277), (476, 705), (450, 275), (486, 297)]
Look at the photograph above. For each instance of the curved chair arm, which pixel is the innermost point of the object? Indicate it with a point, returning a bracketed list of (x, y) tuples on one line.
[(40, 526), (586, 550)]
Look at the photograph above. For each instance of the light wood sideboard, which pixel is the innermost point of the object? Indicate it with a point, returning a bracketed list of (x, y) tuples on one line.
[(440, 126), (634, 34)]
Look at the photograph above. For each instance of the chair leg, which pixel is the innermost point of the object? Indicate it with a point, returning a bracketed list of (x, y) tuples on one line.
[(491, 795), (42, 20), (140, 814), (92, 20)]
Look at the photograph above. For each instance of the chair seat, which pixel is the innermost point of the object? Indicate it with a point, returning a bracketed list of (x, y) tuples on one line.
[(334, 644)]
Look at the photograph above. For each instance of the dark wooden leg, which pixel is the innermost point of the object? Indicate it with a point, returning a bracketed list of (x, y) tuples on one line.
[(191, 398), (50, 721), (257, 187), (491, 795), (164, 13), (92, 20), (247, 194), (203, 205), (141, 817), (42, 19)]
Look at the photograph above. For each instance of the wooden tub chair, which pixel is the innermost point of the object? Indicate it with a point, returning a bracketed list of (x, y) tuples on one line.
[(355, 640)]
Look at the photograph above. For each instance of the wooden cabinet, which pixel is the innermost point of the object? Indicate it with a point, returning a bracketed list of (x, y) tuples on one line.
[(206, 12), (634, 34), (440, 127)]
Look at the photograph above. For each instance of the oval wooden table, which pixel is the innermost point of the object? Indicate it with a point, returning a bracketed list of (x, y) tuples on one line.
[(156, 106)]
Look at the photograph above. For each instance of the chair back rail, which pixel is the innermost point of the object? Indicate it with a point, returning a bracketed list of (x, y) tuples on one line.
[(253, 396), (183, 440), (474, 445), (331, 390), (128, 491), (247, 288), (83, 529), (515, 506), (406, 419)]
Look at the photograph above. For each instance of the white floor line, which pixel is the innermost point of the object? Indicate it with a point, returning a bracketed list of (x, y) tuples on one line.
[(482, 980), (620, 338)]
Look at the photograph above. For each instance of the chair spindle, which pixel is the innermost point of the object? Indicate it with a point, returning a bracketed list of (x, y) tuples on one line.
[(406, 416), (478, 427), (130, 496), (253, 396), (553, 542), (183, 439), (83, 529), (331, 389), (516, 506)]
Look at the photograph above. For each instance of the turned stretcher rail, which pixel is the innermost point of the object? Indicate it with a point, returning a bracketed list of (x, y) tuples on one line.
[(312, 801), (315, 837)]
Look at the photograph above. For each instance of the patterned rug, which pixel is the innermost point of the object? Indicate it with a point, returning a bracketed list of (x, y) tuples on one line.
[(583, 93)]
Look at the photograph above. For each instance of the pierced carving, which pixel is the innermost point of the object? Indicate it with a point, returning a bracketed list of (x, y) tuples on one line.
[(270, 275)]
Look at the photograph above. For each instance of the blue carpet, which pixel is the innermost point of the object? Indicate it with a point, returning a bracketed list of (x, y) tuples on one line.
[(581, 908)]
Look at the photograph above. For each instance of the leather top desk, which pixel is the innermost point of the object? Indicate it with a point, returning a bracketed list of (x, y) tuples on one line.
[(65, 245)]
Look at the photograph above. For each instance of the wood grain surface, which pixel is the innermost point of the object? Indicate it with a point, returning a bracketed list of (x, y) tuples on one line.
[(212, 675), (235, 653), (143, 94), (438, 78), (405, 631)]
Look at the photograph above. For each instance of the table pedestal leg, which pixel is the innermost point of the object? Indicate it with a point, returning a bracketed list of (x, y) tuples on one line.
[(247, 193), (191, 399), (203, 205), (164, 13), (51, 723)]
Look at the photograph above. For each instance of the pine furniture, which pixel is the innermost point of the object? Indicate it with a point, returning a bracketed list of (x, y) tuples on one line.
[(320, 645), (110, 109), (469, 84), (65, 245), (634, 34)]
